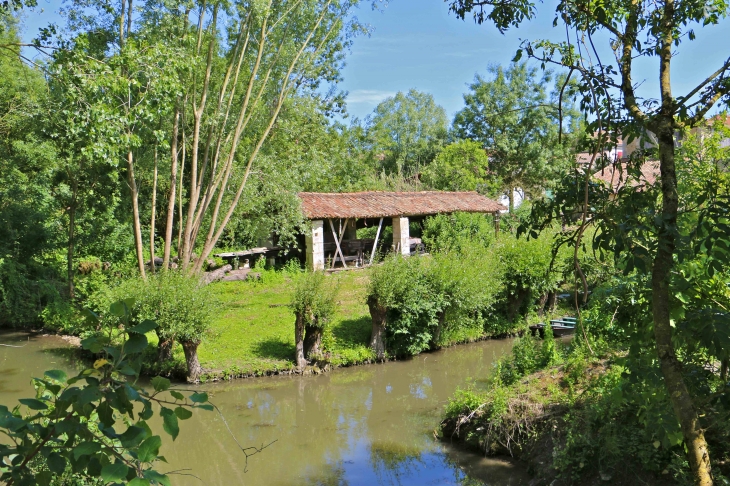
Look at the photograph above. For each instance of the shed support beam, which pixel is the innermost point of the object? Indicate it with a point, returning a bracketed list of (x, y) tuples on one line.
[(401, 236), (315, 246), (375, 245)]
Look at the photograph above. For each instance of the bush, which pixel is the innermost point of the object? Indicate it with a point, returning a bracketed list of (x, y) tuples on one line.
[(25, 290), (527, 271), (445, 232), (412, 304), (313, 304), (432, 301), (180, 304)]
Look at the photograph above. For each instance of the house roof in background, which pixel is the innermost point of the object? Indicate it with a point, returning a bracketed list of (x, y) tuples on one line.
[(616, 175), (318, 205)]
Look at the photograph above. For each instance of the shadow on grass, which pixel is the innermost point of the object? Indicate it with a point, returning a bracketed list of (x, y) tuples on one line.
[(273, 348), (353, 331)]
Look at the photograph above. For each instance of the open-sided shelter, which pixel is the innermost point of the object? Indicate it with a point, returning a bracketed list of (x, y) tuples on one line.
[(335, 218)]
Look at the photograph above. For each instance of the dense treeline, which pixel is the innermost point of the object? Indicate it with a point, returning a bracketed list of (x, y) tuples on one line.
[(168, 131)]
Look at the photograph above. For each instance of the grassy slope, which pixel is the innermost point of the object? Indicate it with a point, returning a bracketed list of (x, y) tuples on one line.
[(254, 333)]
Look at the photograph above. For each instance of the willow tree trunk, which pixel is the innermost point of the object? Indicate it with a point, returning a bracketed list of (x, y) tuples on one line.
[(515, 302), (191, 358), (679, 395), (377, 337), (164, 349), (312, 341), (171, 196), (541, 304), (299, 340), (153, 216)]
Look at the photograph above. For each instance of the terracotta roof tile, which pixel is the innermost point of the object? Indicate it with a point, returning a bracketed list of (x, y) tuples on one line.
[(617, 177), (317, 205)]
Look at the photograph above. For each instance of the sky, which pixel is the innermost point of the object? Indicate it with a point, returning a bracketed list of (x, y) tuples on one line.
[(419, 44)]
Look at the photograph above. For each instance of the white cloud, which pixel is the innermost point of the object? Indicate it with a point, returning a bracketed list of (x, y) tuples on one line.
[(368, 96)]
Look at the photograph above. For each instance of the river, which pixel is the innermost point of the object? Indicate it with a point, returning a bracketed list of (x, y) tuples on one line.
[(366, 425)]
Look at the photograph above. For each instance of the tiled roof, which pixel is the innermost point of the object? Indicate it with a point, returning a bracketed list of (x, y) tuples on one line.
[(617, 177), (318, 205)]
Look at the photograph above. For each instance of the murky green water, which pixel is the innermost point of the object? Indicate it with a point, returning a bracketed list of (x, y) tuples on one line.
[(368, 425)]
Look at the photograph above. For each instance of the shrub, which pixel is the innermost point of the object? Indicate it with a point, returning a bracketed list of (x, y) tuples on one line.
[(25, 290), (180, 304), (423, 303), (408, 301), (527, 271), (313, 304), (445, 232)]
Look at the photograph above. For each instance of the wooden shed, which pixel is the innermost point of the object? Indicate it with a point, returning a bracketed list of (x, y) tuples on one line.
[(335, 217)]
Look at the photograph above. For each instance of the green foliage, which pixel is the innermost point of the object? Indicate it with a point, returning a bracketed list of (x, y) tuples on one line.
[(461, 166), (180, 304), (93, 427), (464, 400), (527, 269), (432, 301), (511, 117), (404, 287), (407, 131), (529, 354), (447, 232), (314, 298), (25, 290)]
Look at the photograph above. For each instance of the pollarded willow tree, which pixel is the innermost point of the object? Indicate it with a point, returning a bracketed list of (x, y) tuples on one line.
[(636, 30), (195, 90)]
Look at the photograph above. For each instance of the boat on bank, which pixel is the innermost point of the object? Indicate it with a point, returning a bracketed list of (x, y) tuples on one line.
[(565, 326)]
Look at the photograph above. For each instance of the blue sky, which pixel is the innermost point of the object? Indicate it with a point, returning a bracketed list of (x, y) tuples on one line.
[(419, 44)]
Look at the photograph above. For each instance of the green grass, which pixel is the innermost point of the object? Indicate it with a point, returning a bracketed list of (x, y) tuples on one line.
[(254, 332)]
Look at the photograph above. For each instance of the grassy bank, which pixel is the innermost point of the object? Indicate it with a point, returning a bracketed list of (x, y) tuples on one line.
[(578, 416), (252, 333)]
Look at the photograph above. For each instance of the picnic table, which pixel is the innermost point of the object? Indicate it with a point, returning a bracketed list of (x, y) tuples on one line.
[(252, 253)]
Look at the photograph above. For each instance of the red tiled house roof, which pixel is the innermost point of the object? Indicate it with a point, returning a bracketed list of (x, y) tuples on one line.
[(317, 205), (616, 177)]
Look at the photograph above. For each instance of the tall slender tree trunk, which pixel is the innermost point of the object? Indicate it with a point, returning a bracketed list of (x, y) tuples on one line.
[(173, 185), (511, 196), (71, 241), (724, 369), (152, 217), (679, 395), (136, 226)]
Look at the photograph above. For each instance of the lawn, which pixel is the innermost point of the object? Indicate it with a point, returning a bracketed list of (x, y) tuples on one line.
[(254, 332)]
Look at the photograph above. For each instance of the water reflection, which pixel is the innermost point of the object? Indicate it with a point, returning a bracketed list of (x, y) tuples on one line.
[(358, 426)]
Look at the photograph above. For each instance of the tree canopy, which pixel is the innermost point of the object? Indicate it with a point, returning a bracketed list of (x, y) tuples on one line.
[(515, 118), (406, 131), (634, 32)]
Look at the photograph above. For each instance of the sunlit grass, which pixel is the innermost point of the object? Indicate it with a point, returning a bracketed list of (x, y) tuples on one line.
[(253, 332)]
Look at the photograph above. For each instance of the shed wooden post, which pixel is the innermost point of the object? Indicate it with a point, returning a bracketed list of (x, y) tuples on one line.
[(401, 235), (315, 246)]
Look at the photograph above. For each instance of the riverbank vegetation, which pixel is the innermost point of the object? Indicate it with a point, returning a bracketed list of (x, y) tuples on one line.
[(455, 294), (151, 135)]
